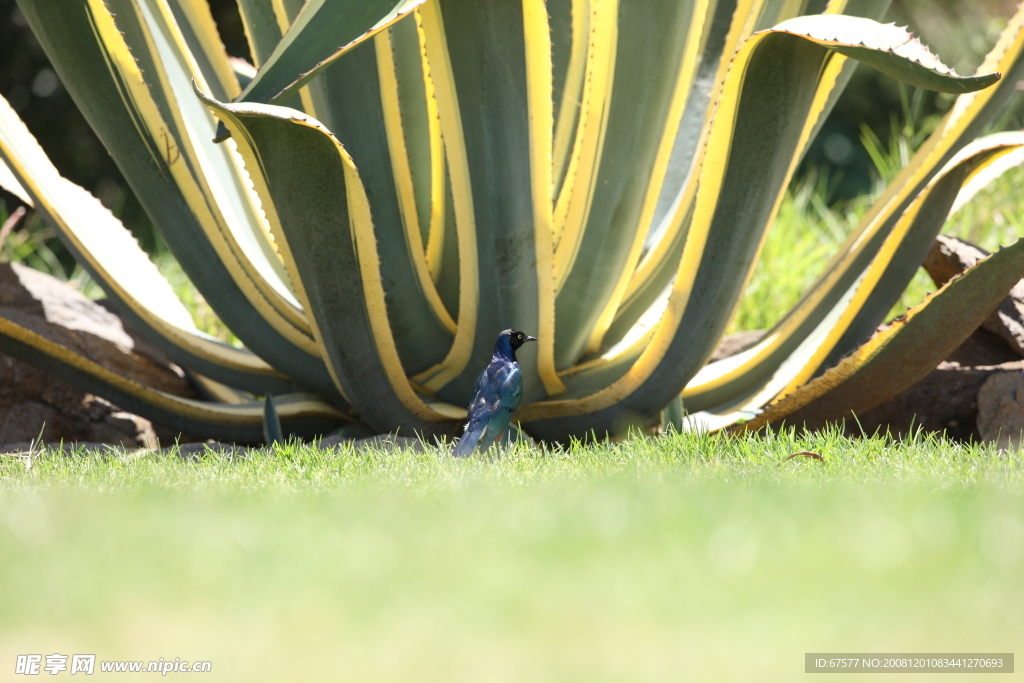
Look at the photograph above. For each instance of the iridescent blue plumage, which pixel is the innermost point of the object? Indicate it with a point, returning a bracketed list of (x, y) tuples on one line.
[(495, 396)]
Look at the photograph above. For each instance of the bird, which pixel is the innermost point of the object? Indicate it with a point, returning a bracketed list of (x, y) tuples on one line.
[(495, 396)]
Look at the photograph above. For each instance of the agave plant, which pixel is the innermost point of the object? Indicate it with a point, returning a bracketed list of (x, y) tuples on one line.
[(395, 181)]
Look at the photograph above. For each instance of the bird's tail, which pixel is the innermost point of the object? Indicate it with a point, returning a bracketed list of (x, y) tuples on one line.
[(469, 439)]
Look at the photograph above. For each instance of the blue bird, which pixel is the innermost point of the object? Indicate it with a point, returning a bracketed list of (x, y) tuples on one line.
[(495, 396)]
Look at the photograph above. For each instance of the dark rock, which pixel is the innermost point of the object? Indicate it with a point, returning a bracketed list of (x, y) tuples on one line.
[(983, 348), (34, 405), (946, 400), (732, 344), (951, 399), (1001, 408)]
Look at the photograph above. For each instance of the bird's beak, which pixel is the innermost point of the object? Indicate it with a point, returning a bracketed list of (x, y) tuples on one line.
[(530, 339)]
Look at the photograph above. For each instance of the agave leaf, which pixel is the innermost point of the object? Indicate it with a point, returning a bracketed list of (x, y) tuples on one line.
[(321, 33), (214, 391), (570, 23), (888, 48), (328, 243), (265, 22), (774, 11), (301, 414), (112, 256), (272, 431), (358, 99), (666, 234), (669, 129), (199, 31), (646, 297), (100, 73), (968, 116), (1009, 158), (718, 38), (637, 288), (167, 66), (671, 192), (764, 115), (736, 387), (7, 180), (869, 9), (421, 126), (652, 71), (576, 192), (477, 55), (459, 264), (417, 154), (897, 357), (450, 267), (537, 44)]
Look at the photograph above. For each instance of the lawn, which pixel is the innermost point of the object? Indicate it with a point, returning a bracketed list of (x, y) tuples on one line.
[(687, 557), (690, 557)]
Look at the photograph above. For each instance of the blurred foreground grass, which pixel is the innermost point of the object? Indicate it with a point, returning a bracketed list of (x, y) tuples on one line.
[(690, 557)]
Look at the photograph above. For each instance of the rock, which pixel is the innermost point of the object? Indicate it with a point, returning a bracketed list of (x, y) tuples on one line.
[(951, 256), (964, 396), (946, 400), (731, 344), (1001, 409), (34, 405), (983, 348)]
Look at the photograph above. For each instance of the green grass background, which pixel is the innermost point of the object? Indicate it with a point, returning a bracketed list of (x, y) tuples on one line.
[(690, 557)]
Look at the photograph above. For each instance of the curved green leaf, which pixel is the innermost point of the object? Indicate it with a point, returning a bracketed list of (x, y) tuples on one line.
[(199, 31), (664, 238), (652, 39), (264, 22), (7, 180), (168, 67), (349, 96), (897, 357), (111, 255), (321, 33), (328, 242), (888, 48), (103, 78), (789, 355), (272, 431), (487, 107), (768, 105)]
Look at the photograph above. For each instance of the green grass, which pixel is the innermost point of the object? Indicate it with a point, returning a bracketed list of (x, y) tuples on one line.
[(690, 557)]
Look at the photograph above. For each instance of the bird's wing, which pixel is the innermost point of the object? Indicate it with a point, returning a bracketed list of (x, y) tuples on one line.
[(480, 379), (506, 401), (480, 410), (511, 389)]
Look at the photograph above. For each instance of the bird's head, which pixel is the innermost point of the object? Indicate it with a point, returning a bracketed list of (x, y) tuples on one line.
[(515, 338)]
